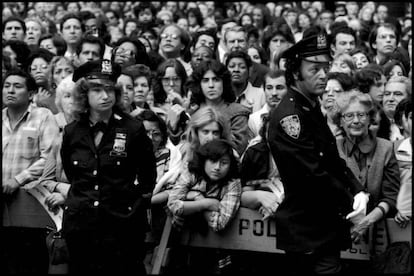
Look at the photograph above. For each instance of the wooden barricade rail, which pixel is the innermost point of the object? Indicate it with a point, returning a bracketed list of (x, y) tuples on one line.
[(249, 232)]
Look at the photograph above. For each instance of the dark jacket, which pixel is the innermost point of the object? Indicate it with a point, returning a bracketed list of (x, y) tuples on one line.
[(318, 186), (257, 74), (103, 193)]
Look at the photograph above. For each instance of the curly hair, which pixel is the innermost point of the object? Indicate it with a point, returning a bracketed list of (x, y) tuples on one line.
[(80, 96), (368, 76), (220, 71), (214, 150)]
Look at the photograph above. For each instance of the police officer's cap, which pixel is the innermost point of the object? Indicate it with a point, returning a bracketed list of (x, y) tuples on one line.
[(313, 47), (98, 69)]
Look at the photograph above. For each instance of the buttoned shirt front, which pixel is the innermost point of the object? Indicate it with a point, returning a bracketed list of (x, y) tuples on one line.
[(252, 97), (26, 147)]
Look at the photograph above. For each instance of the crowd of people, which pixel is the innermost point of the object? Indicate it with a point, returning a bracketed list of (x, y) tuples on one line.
[(125, 113)]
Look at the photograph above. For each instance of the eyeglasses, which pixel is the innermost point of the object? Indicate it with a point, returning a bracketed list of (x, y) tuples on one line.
[(42, 67), (173, 36), (124, 53), (348, 117), (168, 80)]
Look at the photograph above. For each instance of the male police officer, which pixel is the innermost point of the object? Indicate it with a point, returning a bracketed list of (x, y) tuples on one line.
[(109, 162), (311, 221)]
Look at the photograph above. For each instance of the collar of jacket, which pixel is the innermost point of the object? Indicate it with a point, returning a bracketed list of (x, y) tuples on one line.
[(366, 145)]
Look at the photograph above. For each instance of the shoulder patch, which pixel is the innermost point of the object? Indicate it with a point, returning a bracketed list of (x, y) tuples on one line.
[(291, 125)]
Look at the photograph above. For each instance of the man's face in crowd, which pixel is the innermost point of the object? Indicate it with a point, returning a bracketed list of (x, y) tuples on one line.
[(205, 40), (226, 27), (235, 41), (386, 41), (90, 52), (91, 25), (360, 60), (344, 43), (238, 70), (13, 31), (112, 20), (170, 42), (200, 54), (15, 93), (72, 31), (313, 78), (394, 93), (275, 89)]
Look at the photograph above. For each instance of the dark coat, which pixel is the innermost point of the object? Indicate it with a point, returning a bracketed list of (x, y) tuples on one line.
[(257, 74), (103, 193), (318, 186)]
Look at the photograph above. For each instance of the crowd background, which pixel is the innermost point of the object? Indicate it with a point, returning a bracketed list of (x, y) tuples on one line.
[(175, 56)]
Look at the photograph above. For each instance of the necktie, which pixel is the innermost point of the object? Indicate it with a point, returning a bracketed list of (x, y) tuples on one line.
[(98, 131)]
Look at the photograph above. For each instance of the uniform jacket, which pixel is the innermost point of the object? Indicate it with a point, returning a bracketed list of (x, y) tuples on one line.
[(103, 190), (318, 186)]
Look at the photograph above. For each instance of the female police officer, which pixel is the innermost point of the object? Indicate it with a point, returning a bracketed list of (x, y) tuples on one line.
[(109, 162)]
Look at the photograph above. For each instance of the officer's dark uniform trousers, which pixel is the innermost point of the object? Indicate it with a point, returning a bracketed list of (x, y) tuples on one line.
[(319, 188), (105, 221)]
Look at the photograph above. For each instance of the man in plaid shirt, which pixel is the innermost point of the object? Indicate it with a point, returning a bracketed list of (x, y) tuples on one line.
[(28, 133)]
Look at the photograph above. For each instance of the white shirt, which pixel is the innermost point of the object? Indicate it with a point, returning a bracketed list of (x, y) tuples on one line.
[(252, 97), (255, 120)]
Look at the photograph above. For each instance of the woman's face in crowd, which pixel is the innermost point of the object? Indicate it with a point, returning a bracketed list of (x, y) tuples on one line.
[(67, 103), (246, 20), (141, 90), (61, 70), (355, 120), (396, 71), (39, 69), (360, 60), (254, 55), (341, 66), (125, 82), (217, 170), (72, 31), (238, 70), (332, 90), (208, 133), (130, 27), (183, 23), (33, 32), (48, 45), (125, 54), (154, 133), (212, 87), (171, 81), (257, 17), (152, 39), (376, 91), (304, 21), (277, 42), (200, 54)]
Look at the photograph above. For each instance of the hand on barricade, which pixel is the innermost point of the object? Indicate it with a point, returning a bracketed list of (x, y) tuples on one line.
[(360, 208), (360, 229), (402, 220)]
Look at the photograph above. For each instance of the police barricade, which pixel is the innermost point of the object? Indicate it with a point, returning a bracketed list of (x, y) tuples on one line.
[(249, 232)]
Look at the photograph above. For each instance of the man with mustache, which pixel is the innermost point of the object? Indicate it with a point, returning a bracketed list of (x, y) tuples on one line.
[(275, 89), (312, 220), (108, 159)]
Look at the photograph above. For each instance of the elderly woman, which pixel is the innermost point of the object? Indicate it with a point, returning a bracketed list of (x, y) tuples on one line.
[(371, 159), (54, 178), (211, 86), (34, 30)]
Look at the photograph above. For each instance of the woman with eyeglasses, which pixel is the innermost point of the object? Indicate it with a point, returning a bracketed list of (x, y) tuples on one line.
[(39, 67), (129, 51), (170, 94), (371, 159)]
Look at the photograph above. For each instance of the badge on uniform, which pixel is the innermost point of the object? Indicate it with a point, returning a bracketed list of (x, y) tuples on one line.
[(291, 125), (119, 146)]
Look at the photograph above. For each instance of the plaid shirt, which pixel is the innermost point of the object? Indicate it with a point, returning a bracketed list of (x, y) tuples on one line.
[(26, 147), (228, 194)]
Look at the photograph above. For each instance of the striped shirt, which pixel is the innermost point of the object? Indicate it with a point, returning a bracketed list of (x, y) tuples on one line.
[(26, 147), (228, 194)]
